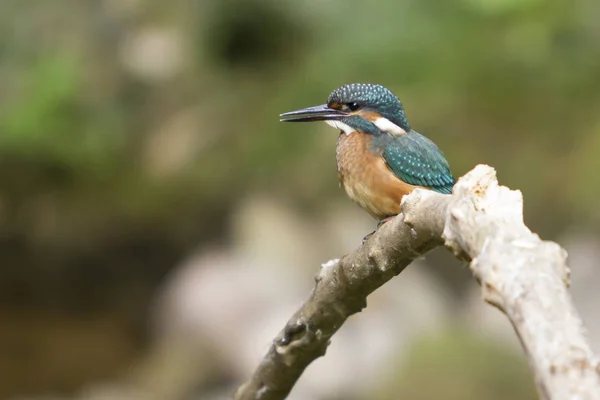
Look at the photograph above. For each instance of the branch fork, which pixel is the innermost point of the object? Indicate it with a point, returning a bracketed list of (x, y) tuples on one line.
[(481, 222)]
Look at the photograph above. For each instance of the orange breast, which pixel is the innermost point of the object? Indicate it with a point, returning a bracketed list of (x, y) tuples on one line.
[(366, 178)]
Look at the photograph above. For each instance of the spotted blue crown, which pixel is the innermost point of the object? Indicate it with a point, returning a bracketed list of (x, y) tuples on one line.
[(373, 98)]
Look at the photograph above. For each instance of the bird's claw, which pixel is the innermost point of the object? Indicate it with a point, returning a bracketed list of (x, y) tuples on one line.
[(368, 236), (379, 224), (383, 221)]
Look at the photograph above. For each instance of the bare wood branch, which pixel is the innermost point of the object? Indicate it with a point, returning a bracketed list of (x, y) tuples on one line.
[(527, 279), (521, 275)]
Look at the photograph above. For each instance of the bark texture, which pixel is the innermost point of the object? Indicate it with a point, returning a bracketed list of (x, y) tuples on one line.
[(481, 222)]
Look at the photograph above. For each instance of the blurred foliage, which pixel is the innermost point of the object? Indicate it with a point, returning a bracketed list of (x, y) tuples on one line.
[(457, 365), (129, 130), (512, 84)]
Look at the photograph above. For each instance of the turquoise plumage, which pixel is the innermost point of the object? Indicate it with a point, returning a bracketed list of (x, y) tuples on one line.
[(380, 159), (416, 160)]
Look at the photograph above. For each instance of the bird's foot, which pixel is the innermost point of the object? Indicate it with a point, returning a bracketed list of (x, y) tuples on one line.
[(383, 221), (368, 236), (379, 224)]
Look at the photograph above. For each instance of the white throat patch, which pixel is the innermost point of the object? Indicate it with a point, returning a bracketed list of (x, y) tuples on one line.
[(388, 126), (341, 126)]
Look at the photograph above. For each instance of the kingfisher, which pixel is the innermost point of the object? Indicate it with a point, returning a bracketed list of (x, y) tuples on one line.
[(380, 159)]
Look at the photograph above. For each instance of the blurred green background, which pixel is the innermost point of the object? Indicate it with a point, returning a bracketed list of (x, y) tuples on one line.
[(151, 204)]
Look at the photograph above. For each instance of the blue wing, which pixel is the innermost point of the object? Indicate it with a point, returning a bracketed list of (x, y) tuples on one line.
[(417, 160)]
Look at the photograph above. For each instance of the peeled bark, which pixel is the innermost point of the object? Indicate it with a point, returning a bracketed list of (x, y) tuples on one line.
[(481, 222)]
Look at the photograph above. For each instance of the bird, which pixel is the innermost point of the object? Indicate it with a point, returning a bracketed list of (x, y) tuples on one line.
[(380, 158)]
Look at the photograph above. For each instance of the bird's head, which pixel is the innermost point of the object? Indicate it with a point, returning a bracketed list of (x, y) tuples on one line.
[(361, 107)]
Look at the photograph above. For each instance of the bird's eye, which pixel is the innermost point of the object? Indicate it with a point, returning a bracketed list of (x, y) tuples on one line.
[(353, 106)]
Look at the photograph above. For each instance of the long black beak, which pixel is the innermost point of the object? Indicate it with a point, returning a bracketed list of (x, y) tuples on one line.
[(316, 113)]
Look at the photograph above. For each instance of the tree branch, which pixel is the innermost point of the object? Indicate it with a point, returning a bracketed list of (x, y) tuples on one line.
[(527, 279), (521, 275)]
